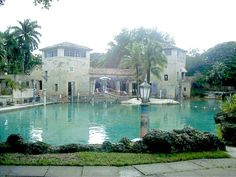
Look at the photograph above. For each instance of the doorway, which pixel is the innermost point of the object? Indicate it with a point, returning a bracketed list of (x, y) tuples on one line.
[(71, 91)]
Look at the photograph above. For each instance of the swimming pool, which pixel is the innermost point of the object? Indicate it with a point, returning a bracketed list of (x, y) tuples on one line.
[(59, 124)]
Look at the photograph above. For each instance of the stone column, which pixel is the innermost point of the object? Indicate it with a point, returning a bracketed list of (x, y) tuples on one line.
[(130, 88), (118, 86)]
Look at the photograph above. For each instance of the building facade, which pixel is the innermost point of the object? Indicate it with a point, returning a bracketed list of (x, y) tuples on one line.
[(172, 82), (66, 75), (65, 71)]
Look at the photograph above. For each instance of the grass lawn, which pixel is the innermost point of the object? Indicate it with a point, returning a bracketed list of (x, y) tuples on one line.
[(99, 158)]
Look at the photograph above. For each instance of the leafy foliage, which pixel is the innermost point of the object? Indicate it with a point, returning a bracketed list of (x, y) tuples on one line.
[(2, 2), (2, 54), (45, 3), (11, 83), (184, 140), (28, 37), (217, 66), (217, 74), (229, 105), (97, 60), (19, 42), (139, 49)]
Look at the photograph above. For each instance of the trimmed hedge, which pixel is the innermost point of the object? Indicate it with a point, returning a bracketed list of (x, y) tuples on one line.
[(185, 140)]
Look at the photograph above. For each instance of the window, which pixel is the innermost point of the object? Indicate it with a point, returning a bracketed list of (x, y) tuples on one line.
[(56, 87), (27, 84), (166, 77), (45, 75), (185, 89), (167, 51), (182, 75), (75, 53), (50, 53), (40, 85)]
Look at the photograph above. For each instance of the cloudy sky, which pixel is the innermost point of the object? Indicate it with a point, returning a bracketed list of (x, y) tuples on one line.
[(94, 23)]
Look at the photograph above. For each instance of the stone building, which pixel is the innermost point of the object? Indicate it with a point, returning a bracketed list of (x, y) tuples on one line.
[(66, 71), (172, 83), (66, 75)]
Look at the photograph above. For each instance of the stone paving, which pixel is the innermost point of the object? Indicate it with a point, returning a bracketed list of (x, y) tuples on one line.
[(190, 168)]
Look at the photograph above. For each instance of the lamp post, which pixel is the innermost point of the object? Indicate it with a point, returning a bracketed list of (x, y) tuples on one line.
[(144, 94)]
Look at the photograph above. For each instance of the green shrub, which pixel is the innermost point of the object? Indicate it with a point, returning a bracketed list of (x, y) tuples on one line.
[(4, 148), (157, 141), (38, 148), (119, 147), (197, 93), (107, 146), (16, 143), (125, 141), (68, 148), (184, 140), (219, 131), (229, 105), (139, 147), (14, 139)]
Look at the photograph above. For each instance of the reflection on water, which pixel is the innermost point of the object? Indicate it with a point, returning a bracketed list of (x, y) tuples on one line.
[(85, 123), (97, 135), (36, 134)]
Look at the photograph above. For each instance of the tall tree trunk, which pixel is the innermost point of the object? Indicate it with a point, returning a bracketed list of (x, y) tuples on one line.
[(148, 72), (137, 81)]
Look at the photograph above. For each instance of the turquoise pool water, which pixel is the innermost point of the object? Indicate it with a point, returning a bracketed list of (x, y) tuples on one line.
[(59, 124)]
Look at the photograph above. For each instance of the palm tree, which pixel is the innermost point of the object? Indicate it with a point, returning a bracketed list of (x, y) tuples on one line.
[(28, 38), (14, 54), (2, 53), (154, 59), (134, 60)]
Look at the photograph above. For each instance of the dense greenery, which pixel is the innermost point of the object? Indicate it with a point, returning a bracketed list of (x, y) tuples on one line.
[(226, 120), (45, 3), (97, 60), (214, 68), (229, 105), (139, 49), (185, 140), (17, 44), (103, 159)]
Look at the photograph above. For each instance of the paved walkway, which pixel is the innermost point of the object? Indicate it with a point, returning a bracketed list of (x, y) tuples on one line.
[(21, 106), (191, 168)]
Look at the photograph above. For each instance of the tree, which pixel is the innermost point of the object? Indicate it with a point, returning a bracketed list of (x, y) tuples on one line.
[(195, 63), (150, 43), (97, 60), (217, 65), (2, 54), (118, 49), (217, 74), (14, 54), (27, 37), (134, 61), (154, 59), (2, 2), (45, 3)]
